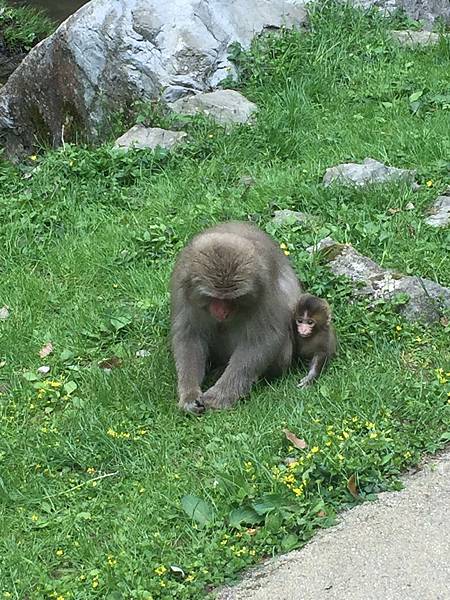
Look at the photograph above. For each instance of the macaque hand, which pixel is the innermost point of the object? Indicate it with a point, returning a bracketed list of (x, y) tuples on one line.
[(305, 382), (192, 403), (216, 400)]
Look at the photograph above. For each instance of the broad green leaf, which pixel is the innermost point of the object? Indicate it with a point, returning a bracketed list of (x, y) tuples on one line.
[(197, 509), (289, 542), (30, 376), (70, 387), (66, 355), (243, 514), (415, 96)]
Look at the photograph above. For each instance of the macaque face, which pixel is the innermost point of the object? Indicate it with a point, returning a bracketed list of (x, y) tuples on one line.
[(221, 310), (305, 325)]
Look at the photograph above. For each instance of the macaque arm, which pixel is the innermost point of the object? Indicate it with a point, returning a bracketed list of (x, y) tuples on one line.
[(246, 365), (190, 362), (315, 368)]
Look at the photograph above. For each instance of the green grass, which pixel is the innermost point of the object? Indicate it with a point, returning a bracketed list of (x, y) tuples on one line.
[(22, 27), (92, 475)]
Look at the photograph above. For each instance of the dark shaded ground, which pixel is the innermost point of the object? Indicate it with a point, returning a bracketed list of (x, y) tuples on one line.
[(56, 9)]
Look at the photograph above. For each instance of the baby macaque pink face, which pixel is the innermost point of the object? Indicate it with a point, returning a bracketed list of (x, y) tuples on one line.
[(305, 325)]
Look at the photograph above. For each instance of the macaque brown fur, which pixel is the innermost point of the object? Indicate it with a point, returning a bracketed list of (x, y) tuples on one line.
[(315, 338), (233, 292)]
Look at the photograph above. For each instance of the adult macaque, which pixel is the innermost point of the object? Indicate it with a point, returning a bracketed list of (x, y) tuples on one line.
[(233, 293), (315, 337)]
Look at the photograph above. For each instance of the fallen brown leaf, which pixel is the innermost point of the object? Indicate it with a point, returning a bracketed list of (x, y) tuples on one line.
[(113, 362), (295, 441), (352, 487), (46, 350)]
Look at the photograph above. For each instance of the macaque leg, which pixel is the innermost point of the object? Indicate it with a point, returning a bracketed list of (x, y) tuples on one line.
[(237, 379), (315, 368), (190, 362)]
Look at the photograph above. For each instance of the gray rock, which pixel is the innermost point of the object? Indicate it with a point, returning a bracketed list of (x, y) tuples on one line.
[(370, 171), (226, 107), (440, 212), (420, 10), (411, 38), (289, 216), (110, 53), (149, 137), (426, 299)]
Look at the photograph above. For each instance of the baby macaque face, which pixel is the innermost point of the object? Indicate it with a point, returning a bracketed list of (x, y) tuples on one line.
[(305, 325)]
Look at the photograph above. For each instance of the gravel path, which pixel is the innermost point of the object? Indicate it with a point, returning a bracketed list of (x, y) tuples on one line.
[(397, 548)]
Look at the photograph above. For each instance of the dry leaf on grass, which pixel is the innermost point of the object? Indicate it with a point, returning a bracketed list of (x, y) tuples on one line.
[(113, 362), (352, 487), (46, 350), (295, 441)]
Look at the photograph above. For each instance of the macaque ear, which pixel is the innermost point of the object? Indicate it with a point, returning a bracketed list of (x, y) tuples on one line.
[(329, 319)]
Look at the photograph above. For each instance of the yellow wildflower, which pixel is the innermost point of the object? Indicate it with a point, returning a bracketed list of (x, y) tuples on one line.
[(34, 517), (190, 578), (90, 470), (59, 552), (33, 157), (429, 183), (298, 491), (315, 449), (160, 570), (283, 246), (345, 435), (111, 560), (60, 598), (369, 425), (398, 327), (95, 583), (373, 435), (328, 443), (54, 384), (287, 253), (293, 464)]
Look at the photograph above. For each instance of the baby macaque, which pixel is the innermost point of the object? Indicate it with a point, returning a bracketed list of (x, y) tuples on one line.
[(315, 339)]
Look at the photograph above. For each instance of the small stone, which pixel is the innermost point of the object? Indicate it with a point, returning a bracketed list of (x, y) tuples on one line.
[(411, 38), (142, 353), (4, 313), (246, 180), (140, 137), (440, 212), (44, 370), (282, 217), (226, 107), (369, 172), (410, 206)]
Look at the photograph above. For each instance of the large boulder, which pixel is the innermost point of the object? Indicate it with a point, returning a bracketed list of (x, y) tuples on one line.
[(110, 53), (426, 300)]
